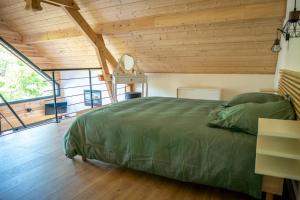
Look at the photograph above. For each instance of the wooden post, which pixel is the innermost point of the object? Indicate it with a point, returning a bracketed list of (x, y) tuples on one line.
[(98, 43), (34, 5), (269, 196)]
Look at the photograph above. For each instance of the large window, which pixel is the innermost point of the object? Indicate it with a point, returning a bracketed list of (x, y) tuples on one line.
[(20, 79)]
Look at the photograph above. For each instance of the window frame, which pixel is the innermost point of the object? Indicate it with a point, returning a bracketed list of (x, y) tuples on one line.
[(33, 66)]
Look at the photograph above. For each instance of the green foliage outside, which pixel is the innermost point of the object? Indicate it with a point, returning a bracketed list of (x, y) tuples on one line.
[(19, 81)]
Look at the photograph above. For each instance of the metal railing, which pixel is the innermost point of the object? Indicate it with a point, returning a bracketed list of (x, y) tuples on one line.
[(92, 85), (2, 117), (12, 110), (6, 121), (72, 91)]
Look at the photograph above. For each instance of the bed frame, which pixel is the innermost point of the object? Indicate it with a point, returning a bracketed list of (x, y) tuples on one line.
[(289, 84)]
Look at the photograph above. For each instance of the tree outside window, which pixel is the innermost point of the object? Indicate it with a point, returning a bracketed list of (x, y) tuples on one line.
[(18, 81)]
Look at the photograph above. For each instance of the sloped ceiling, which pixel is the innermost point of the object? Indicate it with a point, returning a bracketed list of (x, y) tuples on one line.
[(179, 36)]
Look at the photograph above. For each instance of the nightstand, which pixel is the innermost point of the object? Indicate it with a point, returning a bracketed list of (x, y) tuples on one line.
[(278, 152)]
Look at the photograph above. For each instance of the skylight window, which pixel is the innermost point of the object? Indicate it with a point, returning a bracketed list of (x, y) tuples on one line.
[(20, 79)]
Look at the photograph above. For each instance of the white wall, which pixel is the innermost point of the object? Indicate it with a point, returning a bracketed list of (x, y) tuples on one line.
[(79, 90), (165, 84), (289, 56)]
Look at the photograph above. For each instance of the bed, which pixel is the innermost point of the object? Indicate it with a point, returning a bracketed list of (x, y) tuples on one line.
[(170, 137), (167, 137)]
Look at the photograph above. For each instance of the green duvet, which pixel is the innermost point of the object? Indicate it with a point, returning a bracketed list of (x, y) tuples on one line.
[(168, 137)]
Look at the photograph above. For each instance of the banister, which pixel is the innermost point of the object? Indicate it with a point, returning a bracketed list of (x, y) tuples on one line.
[(12, 110)]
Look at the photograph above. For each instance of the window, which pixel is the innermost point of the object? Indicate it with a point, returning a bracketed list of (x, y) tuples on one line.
[(20, 79)]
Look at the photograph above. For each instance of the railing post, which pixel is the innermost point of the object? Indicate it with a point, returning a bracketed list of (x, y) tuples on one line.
[(54, 96), (2, 117), (12, 110), (91, 89)]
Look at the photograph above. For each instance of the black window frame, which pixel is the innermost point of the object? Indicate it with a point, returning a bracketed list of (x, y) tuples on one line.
[(33, 66)]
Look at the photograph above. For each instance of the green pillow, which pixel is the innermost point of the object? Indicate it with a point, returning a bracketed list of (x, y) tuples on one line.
[(244, 117), (254, 97), (213, 114)]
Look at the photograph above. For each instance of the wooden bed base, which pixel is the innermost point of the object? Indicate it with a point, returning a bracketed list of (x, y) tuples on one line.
[(272, 186)]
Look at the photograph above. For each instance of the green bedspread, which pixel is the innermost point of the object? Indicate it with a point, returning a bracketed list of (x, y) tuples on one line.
[(168, 137)]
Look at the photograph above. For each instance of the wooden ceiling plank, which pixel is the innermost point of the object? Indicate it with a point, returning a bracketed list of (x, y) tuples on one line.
[(53, 26), (243, 12), (105, 14), (222, 69), (236, 13), (188, 48)]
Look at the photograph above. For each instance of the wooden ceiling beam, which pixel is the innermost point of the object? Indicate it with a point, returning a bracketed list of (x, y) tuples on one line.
[(217, 15), (65, 3), (98, 43), (94, 38), (72, 10), (36, 4)]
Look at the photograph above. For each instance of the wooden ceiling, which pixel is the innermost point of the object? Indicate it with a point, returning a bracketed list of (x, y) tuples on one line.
[(179, 36)]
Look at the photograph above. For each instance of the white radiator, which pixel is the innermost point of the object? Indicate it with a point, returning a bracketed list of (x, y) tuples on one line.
[(199, 93)]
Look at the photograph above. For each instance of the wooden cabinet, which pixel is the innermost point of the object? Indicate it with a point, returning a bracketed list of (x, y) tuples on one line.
[(278, 149)]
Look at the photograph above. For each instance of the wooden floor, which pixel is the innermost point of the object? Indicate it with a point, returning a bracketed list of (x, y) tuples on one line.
[(33, 166)]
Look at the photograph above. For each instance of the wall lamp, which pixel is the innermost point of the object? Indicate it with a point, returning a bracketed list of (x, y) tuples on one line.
[(291, 29)]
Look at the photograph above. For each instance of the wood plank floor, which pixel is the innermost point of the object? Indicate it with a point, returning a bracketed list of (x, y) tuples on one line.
[(33, 166)]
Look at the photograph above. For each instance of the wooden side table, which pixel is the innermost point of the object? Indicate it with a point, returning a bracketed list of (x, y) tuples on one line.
[(277, 153)]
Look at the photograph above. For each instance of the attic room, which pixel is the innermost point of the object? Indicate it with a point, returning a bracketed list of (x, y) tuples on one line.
[(150, 99)]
